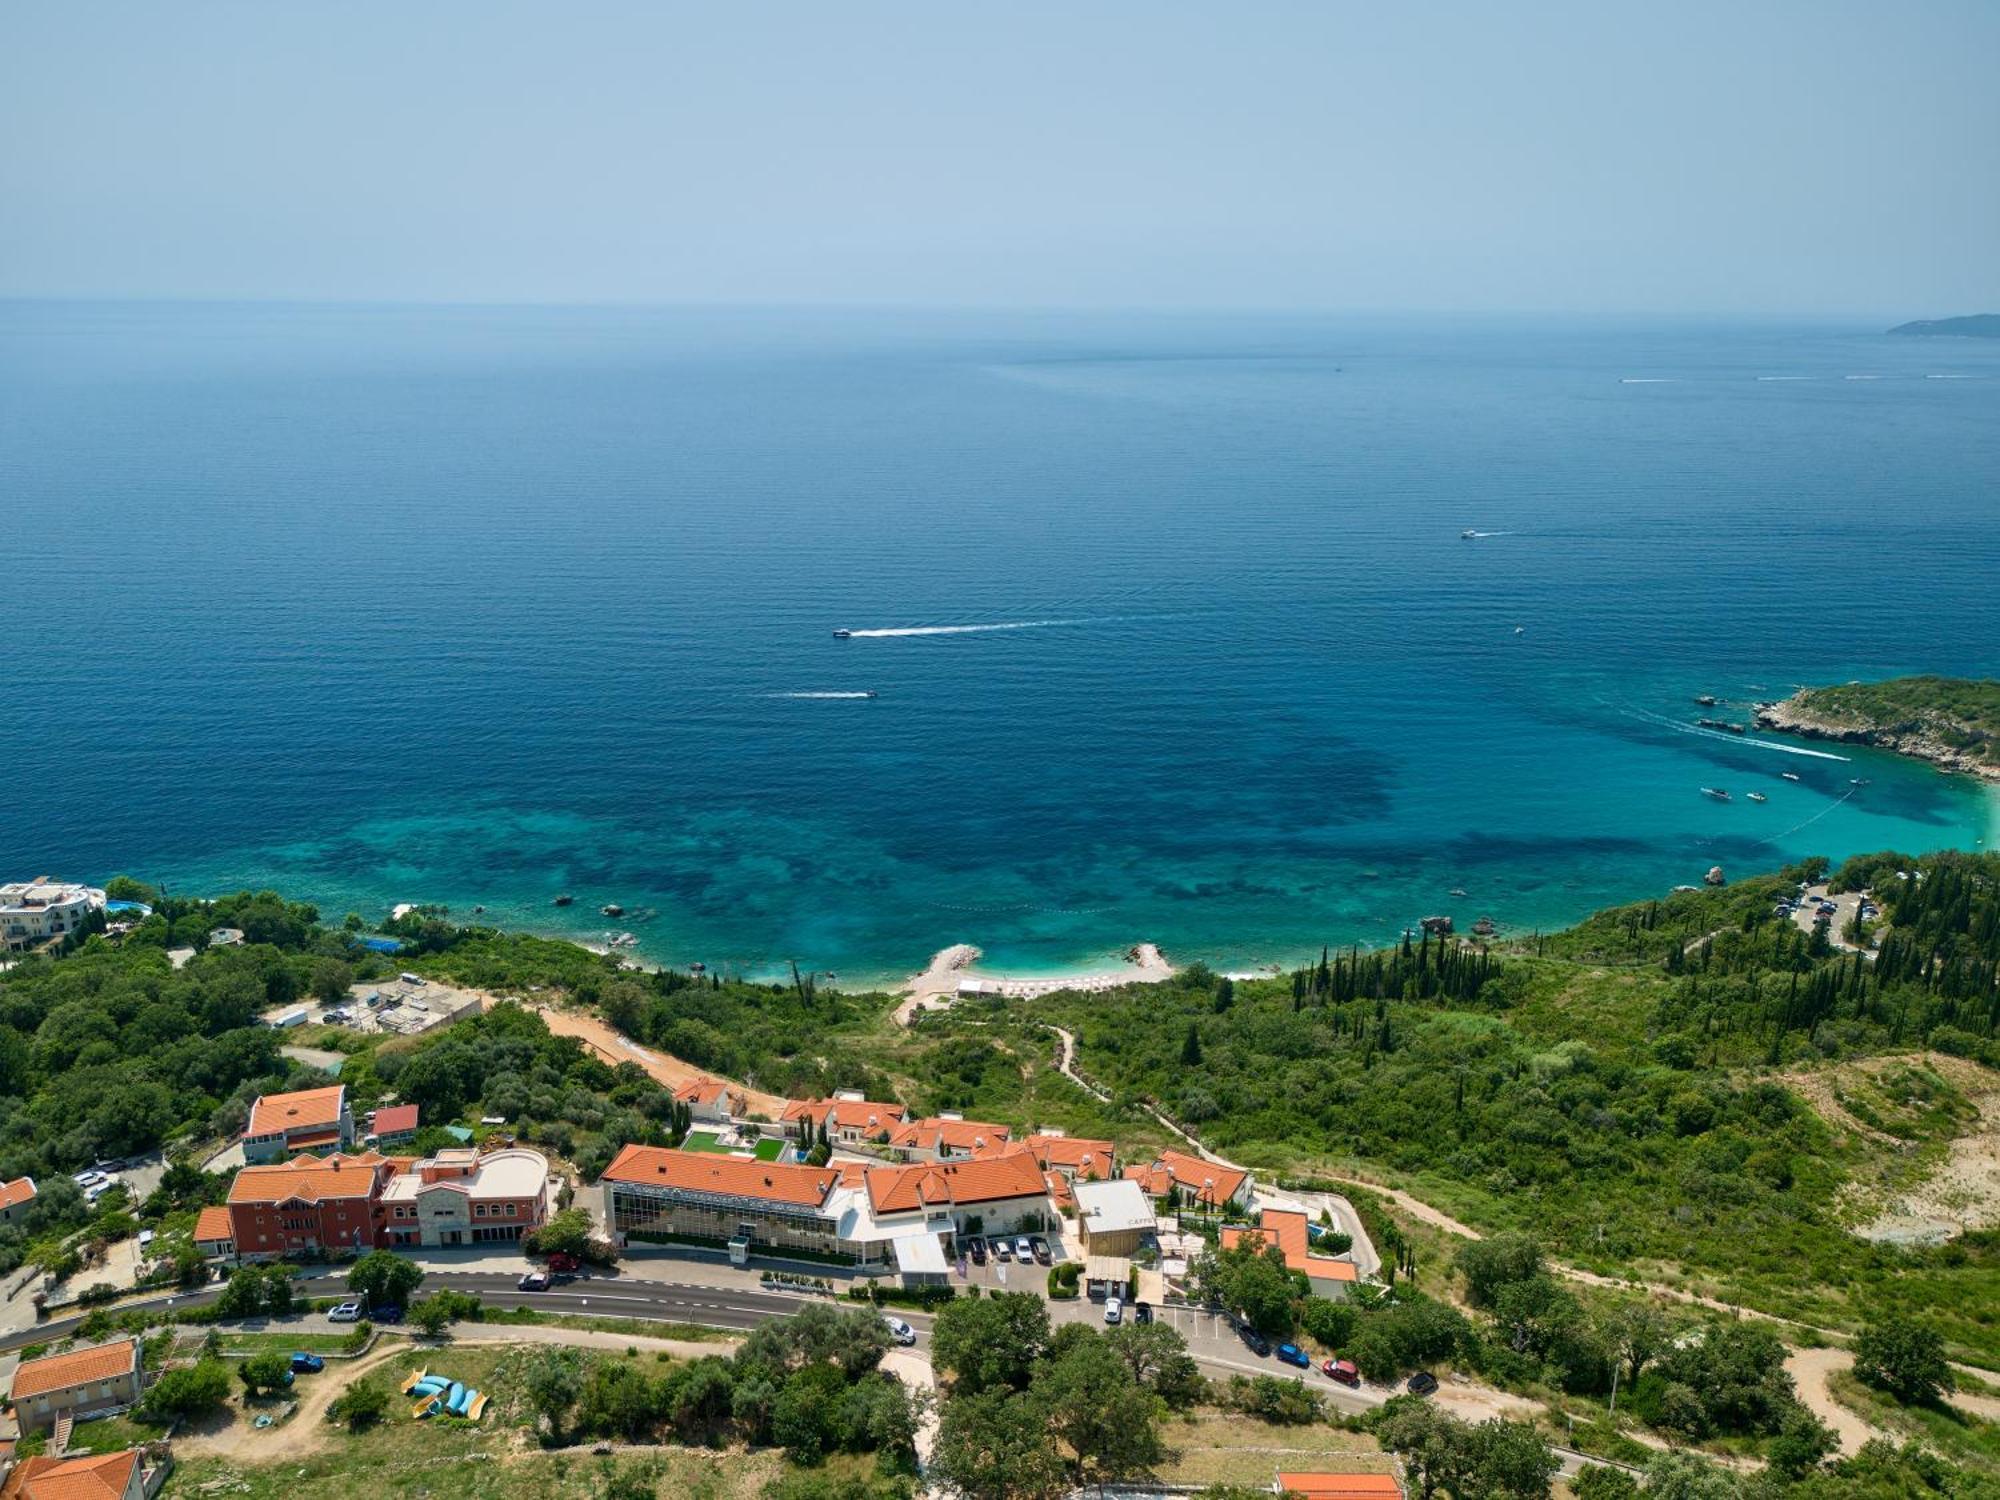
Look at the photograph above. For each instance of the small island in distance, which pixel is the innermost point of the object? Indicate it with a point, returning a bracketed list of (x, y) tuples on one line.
[(1953, 722), (1971, 326)]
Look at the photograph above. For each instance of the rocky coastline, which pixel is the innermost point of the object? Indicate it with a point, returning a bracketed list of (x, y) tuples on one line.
[(1913, 737)]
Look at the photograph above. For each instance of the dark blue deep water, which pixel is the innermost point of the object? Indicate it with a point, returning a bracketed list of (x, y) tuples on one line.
[(478, 605)]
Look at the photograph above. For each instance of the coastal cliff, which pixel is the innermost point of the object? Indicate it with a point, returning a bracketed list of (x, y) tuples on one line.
[(1952, 722)]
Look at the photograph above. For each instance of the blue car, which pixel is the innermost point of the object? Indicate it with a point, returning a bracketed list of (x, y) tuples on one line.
[(1292, 1354), (306, 1364)]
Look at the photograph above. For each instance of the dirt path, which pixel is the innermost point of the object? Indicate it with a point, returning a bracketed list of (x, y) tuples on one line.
[(1066, 1064), (614, 1047), (305, 1431), (1812, 1371)]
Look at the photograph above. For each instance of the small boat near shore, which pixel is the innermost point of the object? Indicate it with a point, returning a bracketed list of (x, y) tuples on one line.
[(1716, 792), (1757, 797), (1790, 775), (1707, 700), (843, 635), (611, 909)]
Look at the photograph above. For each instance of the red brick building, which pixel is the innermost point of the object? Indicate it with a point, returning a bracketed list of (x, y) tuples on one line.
[(309, 1204)]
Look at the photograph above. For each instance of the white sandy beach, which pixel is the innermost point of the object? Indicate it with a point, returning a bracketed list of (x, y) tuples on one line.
[(938, 986)]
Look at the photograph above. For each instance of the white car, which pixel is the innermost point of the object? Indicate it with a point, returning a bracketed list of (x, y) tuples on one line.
[(1024, 1250), (346, 1312), (900, 1331), (1114, 1310)]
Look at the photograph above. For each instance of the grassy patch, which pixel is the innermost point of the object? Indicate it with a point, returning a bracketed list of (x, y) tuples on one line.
[(285, 1343), (642, 1327), (111, 1434), (1962, 1438), (1228, 1448)]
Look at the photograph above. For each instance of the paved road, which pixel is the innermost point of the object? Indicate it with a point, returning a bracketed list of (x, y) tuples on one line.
[(606, 1296), (1210, 1339)]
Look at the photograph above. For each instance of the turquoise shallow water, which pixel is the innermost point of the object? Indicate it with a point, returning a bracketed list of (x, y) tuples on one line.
[(477, 605)]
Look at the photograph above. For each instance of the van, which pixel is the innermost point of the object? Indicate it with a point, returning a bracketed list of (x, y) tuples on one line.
[(409, 978)]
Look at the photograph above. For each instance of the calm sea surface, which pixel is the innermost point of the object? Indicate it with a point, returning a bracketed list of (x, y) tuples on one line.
[(480, 605)]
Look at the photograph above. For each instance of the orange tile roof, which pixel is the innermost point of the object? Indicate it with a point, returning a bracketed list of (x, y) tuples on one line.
[(1341, 1486), (395, 1119), (853, 1114), (213, 1225), (957, 1135), (1286, 1229), (59, 1372), (735, 1176), (701, 1090), (957, 1183), (1088, 1158), (1209, 1181), (307, 1140), (102, 1476), (274, 1114), (309, 1179), (17, 1192)]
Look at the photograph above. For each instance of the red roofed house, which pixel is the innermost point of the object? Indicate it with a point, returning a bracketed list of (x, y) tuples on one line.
[(705, 1197), (947, 1137), (849, 1118), (309, 1120), (1003, 1193), (1073, 1156), (215, 1232), (711, 1100), (1204, 1185), (393, 1124), (1287, 1229), (83, 1380), (16, 1198), (1340, 1486), (313, 1203), (95, 1476)]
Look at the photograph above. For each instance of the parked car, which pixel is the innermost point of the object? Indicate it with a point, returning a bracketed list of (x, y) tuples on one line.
[(1040, 1249), (1423, 1383), (345, 1312), (976, 1248), (1024, 1250), (1002, 1250), (1142, 1312), (306, 1364), (392, 1313), (534, 1281), (1114, 1310), (900, 1331), (1342, 1370), (1259, 1345), (1292, 1354), (563, 1263)]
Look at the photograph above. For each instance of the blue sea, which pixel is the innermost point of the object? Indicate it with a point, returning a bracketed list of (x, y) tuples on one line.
[(1169, 627)]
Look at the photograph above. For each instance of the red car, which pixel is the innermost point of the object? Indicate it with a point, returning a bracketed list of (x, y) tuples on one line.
[(564, 1264), (1342, 1370)]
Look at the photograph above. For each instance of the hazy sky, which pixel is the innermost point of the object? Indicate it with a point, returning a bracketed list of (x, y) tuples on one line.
[(1813, 157)]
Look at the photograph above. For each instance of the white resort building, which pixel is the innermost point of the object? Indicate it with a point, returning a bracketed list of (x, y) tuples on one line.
[(34, 911), (462, 1198)]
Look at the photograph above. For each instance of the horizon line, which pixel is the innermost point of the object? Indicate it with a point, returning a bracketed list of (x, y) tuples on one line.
[(1022, 309)]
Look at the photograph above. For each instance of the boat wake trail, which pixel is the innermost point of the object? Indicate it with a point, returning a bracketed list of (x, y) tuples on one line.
[(1728, 739), (819, 695), (959, 629)]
